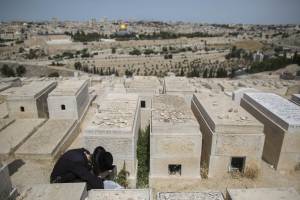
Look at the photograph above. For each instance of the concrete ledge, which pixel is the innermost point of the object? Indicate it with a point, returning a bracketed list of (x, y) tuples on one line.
[(263, 193), (209, 195), (123, 194), (49, 140), (61, 191), (15, 135)]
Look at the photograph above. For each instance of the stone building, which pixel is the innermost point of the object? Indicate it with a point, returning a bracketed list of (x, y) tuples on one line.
[(175, 142), (232, 138), (281, 119), (29, 101), (145, 87), (115, 126), (69, 100)]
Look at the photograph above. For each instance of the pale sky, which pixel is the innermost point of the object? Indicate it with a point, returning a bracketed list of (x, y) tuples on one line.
[(210, 11)]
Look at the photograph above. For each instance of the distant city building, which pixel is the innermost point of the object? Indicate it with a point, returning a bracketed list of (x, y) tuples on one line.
[(258, 57)]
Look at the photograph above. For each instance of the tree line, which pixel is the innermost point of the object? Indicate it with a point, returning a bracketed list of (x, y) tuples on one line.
[(9, 71)]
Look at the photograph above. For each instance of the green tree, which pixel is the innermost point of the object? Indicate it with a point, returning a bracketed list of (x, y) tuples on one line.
[(221, 72), (54, 74), (21, 70), (232, 74), (7, 71), (77, 65), (113, 50), (181, 72), (211, 73), (149, 51), (135, 52), (116, 73), (128, 73), (205, 73)]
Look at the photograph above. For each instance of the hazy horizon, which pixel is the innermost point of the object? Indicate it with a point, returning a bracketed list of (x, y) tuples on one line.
[(202, 11)]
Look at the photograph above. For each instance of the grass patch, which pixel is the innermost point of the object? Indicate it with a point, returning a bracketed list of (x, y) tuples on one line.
[(251, 45), (143, 156)]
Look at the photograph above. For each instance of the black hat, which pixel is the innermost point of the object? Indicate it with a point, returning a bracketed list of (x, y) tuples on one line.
[(102, 160)]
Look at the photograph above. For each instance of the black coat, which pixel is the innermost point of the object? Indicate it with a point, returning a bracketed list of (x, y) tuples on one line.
[(73, 166)]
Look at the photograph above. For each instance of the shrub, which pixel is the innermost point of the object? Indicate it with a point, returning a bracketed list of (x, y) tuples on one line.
[(121, 178), (204, 170), (8, 71), (143, 156), (21, 70), (54, 74), (251, 172), (135, 52)]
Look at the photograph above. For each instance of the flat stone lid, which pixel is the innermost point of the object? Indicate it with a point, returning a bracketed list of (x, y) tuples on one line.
[(190, 196), (123, 194), (277, 108), (60, 191), (264, 194), (220, 112), (68, 88), (31, 90)]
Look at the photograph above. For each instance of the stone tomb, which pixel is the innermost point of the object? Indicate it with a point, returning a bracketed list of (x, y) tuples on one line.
[(175, 142), (115, 126), (145, 87), (263, 193), (232, 138), (49, 140), (69, 100), (59, 191), (211, 195), (122, 194), (13, 136), (29, 101), (281, 119)]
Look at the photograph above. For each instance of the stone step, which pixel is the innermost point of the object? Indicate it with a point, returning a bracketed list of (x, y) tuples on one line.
[(61, 191), (51, 139), (13, 136)]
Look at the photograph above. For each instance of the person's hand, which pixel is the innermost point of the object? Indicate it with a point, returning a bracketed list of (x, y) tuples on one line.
[(104, 174)]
